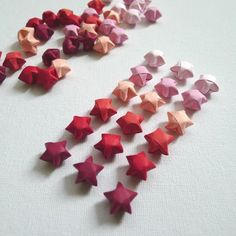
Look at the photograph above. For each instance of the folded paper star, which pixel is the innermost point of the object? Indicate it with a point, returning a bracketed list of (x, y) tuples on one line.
[(140, 76), (33, 22), (88, 171), (43, 32), (88, 30), (167, 88), (93, 20), (158, 141), (55, 153), (113, 15), (193, 99), (80, 127), (155, 58), (130, 123), (178, 121), (71, 30), (49, 55), (182, 70), (103, 45), (151, 102), (50, 18), (27, 40), (61, 66), (29, 75), (70, 45), (125, 91), (132, 17), (67, 17), (109, 145), (98, 5), (106, 26), (120, 8), (152, 14), (120, 199), (118, 36), (139, 5), (206, 84), (2, 74), (89, 12), (47, 78), (139, 165), (88, 43), (14, 61), (103, 109)]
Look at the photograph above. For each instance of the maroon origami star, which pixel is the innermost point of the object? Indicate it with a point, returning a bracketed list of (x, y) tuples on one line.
[(103, 109), (80, 127), (120, 199), (130, 123), (88, 171), (139, 165), (158, 141), (55, 153), (109, 145)]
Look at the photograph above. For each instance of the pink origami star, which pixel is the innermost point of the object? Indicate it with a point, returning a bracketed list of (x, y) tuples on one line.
[(118, 36), (152, 14), (71, 30), (132, 17), (155, 58), (106, 26), (182, 70), (140, 76)]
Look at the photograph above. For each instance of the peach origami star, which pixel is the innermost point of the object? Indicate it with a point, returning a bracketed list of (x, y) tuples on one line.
[(178, 121), (87, 29), (103, 45), (151, 101), (125, 91), (61, 66), (27, 40), (113, 15)]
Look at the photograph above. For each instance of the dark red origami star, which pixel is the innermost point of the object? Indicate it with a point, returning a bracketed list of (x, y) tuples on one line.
[(88, 171), (14, 61), (55, 153), (158, 141), (103, 109), (139, 165), (97, 5), (130, 123), (47, 78), (120, 198), (80, 127), (109, 145)]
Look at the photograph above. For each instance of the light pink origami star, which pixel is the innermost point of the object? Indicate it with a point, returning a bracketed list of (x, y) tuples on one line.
[(140, 76), (193, 99), (106, 26), (118, 36), (120, 9), (61, 66), (139, 5), (155, 58), (152, 14), (182, 70), (71, 30), (151, 102), (132, 17)]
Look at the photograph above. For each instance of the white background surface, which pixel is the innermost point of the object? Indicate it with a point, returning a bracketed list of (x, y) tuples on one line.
[(191, 192)]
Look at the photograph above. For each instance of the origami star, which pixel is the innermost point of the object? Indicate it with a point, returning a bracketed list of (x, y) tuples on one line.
[(88, 171), (103, 45), (120, 8), (98, 5), (33, 22), (50, 18), (193, 99), (132, 17), (113, 15), (106, 26), (103, 109), (178, 121), (55, 153), (88, 29), (88, 43), (155, 58), (80, 127), (49, 55), (61, 66), (118, 36), (151, 102), (2, 74), (130, 123), (158, 141), (139, 165), (206, 84), (167, 88), (14, 61), (27, 40), (43, 32), (125, 91), (140, 76), (139, 5), (109, 145), (89, 12), (70, 45), (182, 70), (152, 14), (120, 199), (29, 75), (71, 30), (67, 17), (47, 78)]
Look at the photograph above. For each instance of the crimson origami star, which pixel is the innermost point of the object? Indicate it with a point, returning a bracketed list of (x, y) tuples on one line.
[(120, 199), (80, 127), (109, 145), (55, 153), (130, 123), (158, 141), (139, 165), (103, 109), (88, 171)]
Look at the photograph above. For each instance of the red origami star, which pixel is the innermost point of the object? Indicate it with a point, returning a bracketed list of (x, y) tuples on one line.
[(139, 165), (130, 123), (120, 198), (55, 153), (14, 61), (103, 109), (97, 5), (47, 77), (109, 145), (158, 141), (80, 127), (88, 171)]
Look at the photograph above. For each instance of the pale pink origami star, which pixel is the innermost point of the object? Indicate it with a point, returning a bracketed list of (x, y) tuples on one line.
[(118, 36), (167, 88), (182, 70), (106, 26), (155, 58), (206, 84), (193, 99), (103, 45), (120, 9), (152, 14), (125, 91), (140, 76), (61, 66), (132, 17), (151, 102), (139, 5), (178, 121), (71, 30)]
